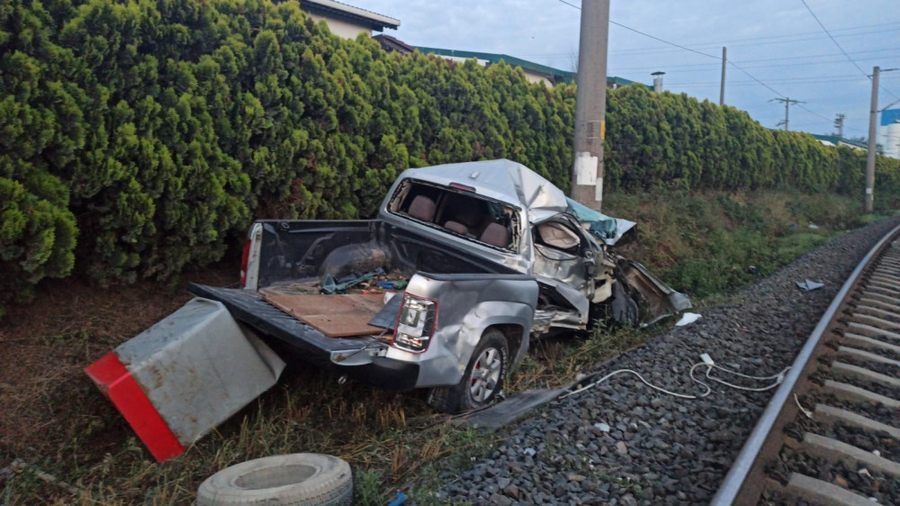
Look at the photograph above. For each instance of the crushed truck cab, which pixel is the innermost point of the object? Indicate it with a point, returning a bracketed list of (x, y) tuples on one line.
[(489, 255)]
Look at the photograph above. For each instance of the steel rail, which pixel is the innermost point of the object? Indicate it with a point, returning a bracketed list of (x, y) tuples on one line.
[(740, 470)]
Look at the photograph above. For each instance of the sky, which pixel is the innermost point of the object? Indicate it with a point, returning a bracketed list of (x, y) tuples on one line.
[(777, 41)]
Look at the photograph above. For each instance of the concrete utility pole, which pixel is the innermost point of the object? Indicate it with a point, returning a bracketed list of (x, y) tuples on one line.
[(590, 104), (870, 158), (722, 83), (787, 110)]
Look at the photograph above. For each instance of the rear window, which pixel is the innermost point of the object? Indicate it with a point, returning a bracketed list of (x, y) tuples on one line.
[(458, 212)]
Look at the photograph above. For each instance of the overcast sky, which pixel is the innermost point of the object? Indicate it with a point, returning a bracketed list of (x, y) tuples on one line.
[(777, 41)]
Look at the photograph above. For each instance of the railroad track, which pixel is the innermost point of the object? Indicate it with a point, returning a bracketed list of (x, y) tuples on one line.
[(831, 433)]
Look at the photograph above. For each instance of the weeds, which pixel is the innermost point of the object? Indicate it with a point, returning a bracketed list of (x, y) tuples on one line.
[(711, 244), (55, 419)]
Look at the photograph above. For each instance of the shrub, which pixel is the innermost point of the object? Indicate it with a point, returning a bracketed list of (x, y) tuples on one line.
[(166, 127)]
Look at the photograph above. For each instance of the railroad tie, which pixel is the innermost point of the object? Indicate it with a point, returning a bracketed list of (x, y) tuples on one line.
[(871, 331), (875, 321), (832, 414), (862, 373), (889, 303), (832, 449), (867, 355), (869, 343), (822, 492), (878, 312), (854, 393)]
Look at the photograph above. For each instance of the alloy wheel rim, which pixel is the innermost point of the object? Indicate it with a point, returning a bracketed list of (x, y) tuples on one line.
[(485, 374)]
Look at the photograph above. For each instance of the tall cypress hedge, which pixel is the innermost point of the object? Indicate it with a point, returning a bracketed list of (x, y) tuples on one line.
[(154, 131)]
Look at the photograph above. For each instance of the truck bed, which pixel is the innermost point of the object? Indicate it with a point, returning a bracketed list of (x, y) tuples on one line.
[(248, 307), (337, 315)]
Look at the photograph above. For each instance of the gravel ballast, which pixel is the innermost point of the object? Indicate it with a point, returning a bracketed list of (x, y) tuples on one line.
[(624, 443)]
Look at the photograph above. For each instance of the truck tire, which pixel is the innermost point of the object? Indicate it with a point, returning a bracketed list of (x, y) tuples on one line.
[(298, 478), (482, 381)]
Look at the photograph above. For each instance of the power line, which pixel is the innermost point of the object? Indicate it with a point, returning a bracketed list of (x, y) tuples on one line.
[(645, 34), (673, 44), (752, 42), (760, 63), (836, 43), (813, 14)]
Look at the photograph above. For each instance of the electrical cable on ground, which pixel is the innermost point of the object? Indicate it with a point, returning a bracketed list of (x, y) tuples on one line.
[(776, 379)]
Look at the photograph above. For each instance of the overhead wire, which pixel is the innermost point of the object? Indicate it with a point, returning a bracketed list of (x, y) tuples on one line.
[(836, 43), (729, 62)]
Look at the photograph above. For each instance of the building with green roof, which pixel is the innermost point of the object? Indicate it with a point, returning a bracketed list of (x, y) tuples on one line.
[(534, 72)]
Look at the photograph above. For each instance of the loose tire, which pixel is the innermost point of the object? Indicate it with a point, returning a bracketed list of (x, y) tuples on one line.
[(299, 478), (482, 380)]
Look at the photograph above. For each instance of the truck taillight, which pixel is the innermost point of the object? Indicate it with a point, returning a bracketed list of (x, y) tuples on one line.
[(416, 323), (245, 260)]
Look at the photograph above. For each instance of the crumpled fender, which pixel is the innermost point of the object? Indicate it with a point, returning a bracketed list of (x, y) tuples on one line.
[(656, 300)]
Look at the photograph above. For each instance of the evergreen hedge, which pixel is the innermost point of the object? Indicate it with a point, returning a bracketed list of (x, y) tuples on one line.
[(154, 131)]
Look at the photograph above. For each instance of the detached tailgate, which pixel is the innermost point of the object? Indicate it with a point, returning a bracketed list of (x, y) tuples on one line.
[(247, 306)]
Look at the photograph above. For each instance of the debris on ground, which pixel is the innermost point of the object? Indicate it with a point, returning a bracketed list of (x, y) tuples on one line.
[(809, 285), (182, 377), (687, 319), (19, 466), (298, 478)]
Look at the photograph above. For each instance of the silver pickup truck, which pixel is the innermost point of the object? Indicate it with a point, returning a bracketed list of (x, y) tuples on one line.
[(490, 255)]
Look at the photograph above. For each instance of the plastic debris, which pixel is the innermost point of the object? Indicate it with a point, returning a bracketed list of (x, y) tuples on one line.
[(399, 499), (179, 379), (330, 285), (808, 413), (813, 226), (602, 427), (809, 285), (687, 319), (391, 285), (531, 452)]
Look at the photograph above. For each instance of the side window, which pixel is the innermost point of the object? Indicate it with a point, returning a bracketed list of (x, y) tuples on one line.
[(459, 213)]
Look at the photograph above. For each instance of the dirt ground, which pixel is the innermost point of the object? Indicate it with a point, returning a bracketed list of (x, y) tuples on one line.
[(47, 343)]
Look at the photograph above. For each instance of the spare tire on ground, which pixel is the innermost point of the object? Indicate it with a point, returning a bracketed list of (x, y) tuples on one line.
[(298, 478)]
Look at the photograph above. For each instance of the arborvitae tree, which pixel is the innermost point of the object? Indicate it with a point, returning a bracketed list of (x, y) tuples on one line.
[(165, 127)]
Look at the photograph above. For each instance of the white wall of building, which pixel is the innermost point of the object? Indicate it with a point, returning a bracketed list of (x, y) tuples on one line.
[(537, 78), (530, 76), (342, 28)]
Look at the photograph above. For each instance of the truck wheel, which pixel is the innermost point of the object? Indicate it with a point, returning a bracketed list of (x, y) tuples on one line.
[(298, 478), (482, 381)]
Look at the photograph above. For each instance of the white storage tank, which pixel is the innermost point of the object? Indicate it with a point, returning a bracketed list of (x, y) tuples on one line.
[(889, 133)]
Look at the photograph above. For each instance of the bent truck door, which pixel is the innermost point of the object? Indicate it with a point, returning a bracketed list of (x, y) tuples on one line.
[(560, 263)]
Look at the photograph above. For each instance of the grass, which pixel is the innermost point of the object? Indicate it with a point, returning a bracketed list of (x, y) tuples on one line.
[(54, 419), (713, 243)]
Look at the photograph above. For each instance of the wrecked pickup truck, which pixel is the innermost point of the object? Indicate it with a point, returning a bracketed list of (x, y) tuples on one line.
[(489, 255)]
